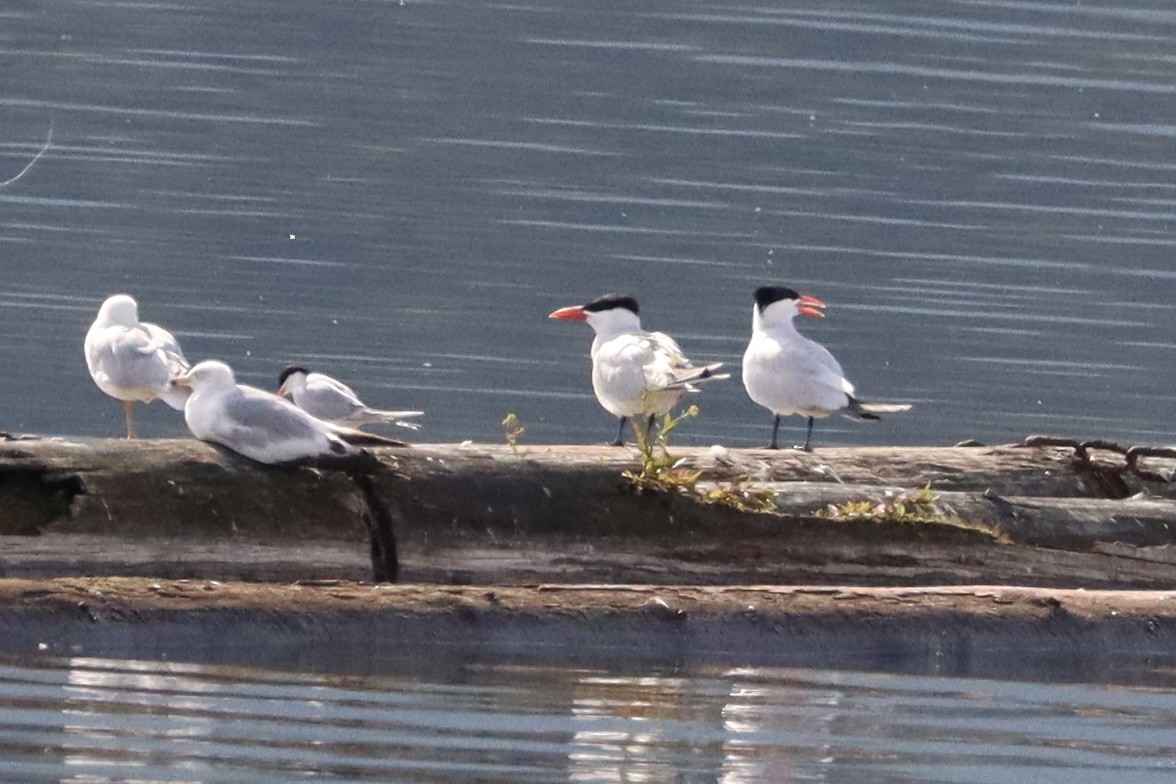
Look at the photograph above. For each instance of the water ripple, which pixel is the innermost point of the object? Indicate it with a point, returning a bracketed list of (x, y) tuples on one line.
[(435, 719)]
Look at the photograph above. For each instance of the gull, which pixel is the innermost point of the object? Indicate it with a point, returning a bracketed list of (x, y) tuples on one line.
[(787, 373), (634, 372), (132, 360), (331, 400), (259, 424)]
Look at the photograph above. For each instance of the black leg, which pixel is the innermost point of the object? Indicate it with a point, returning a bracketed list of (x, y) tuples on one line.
[(808, 437), (775, 427), (649, 428), (620, 434)]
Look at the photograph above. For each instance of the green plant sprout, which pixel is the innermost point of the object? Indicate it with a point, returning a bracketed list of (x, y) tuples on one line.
[(660, 472), (514, 430), (917, 507)]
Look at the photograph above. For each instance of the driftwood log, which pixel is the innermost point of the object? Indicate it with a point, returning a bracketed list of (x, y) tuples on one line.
[(1050, 513), (977, 631)]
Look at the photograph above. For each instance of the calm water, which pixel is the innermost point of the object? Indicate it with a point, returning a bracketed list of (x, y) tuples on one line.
[(399, 192), (433, 719)]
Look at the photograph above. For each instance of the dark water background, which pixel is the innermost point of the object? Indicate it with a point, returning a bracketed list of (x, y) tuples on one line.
[(396, 193)]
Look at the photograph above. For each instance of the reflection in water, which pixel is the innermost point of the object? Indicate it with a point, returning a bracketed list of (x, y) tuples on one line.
[(435, 719), (101, 705), (746, 718), (673, 728), (624, 730)]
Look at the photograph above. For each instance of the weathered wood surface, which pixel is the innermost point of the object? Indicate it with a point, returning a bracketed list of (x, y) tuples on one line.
[(834, 626), (488, 514)]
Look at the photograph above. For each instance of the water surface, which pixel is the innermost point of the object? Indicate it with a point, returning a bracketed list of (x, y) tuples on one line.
[(399, 192), (433, 718)]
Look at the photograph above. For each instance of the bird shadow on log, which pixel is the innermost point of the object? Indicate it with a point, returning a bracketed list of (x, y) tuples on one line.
[(377, 516), (378, 519)]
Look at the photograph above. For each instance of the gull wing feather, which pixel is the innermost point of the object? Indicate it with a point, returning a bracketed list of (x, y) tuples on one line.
[(128, 358), (256, 423), (177, 364)]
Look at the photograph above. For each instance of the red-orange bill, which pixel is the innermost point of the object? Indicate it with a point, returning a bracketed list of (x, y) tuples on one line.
[(809, 306), (570, 313)]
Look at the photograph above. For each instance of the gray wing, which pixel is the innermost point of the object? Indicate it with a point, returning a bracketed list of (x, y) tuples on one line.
[(256, 421), (333, 401), (326, 398), (177, 364), (823, 357), (130, 358), (818, 369), (171, 348)]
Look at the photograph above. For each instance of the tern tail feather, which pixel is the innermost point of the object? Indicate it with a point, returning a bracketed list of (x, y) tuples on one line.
[(393, 417), (363, 438), (863, 410), (687, 377)]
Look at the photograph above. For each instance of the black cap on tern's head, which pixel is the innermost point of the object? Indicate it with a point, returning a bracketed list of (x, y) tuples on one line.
[(610, 314), (803, 304), (289, 371), (766, 295), (611, 302)]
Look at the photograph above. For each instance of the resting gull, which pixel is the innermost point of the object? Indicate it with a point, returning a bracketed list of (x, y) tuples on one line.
[(259, 424)]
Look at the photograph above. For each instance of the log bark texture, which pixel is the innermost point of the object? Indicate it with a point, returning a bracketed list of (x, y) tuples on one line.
[(973, 630), (1053, 514)]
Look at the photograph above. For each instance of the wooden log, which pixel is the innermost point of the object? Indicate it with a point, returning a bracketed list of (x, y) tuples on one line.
[(834, 626), (1062, 523), (488, 514)]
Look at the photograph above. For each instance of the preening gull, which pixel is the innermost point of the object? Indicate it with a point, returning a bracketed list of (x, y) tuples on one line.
[(331, 400), (132, 360)]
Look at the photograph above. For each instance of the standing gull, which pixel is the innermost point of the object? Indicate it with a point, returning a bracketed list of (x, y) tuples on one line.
[(787, 373), (259, 424), (634, 372), (132, 360), (331, 400)]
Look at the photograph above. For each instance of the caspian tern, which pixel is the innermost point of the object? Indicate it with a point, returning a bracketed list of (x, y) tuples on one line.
[(634, 372), (331, 400), (261, 425), (132, 360), (787, 373)]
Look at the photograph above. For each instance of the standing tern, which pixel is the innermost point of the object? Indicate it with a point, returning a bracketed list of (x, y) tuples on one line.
[(261, 425), (634, 372), (331, 400), (787, 373), (132, 360)]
